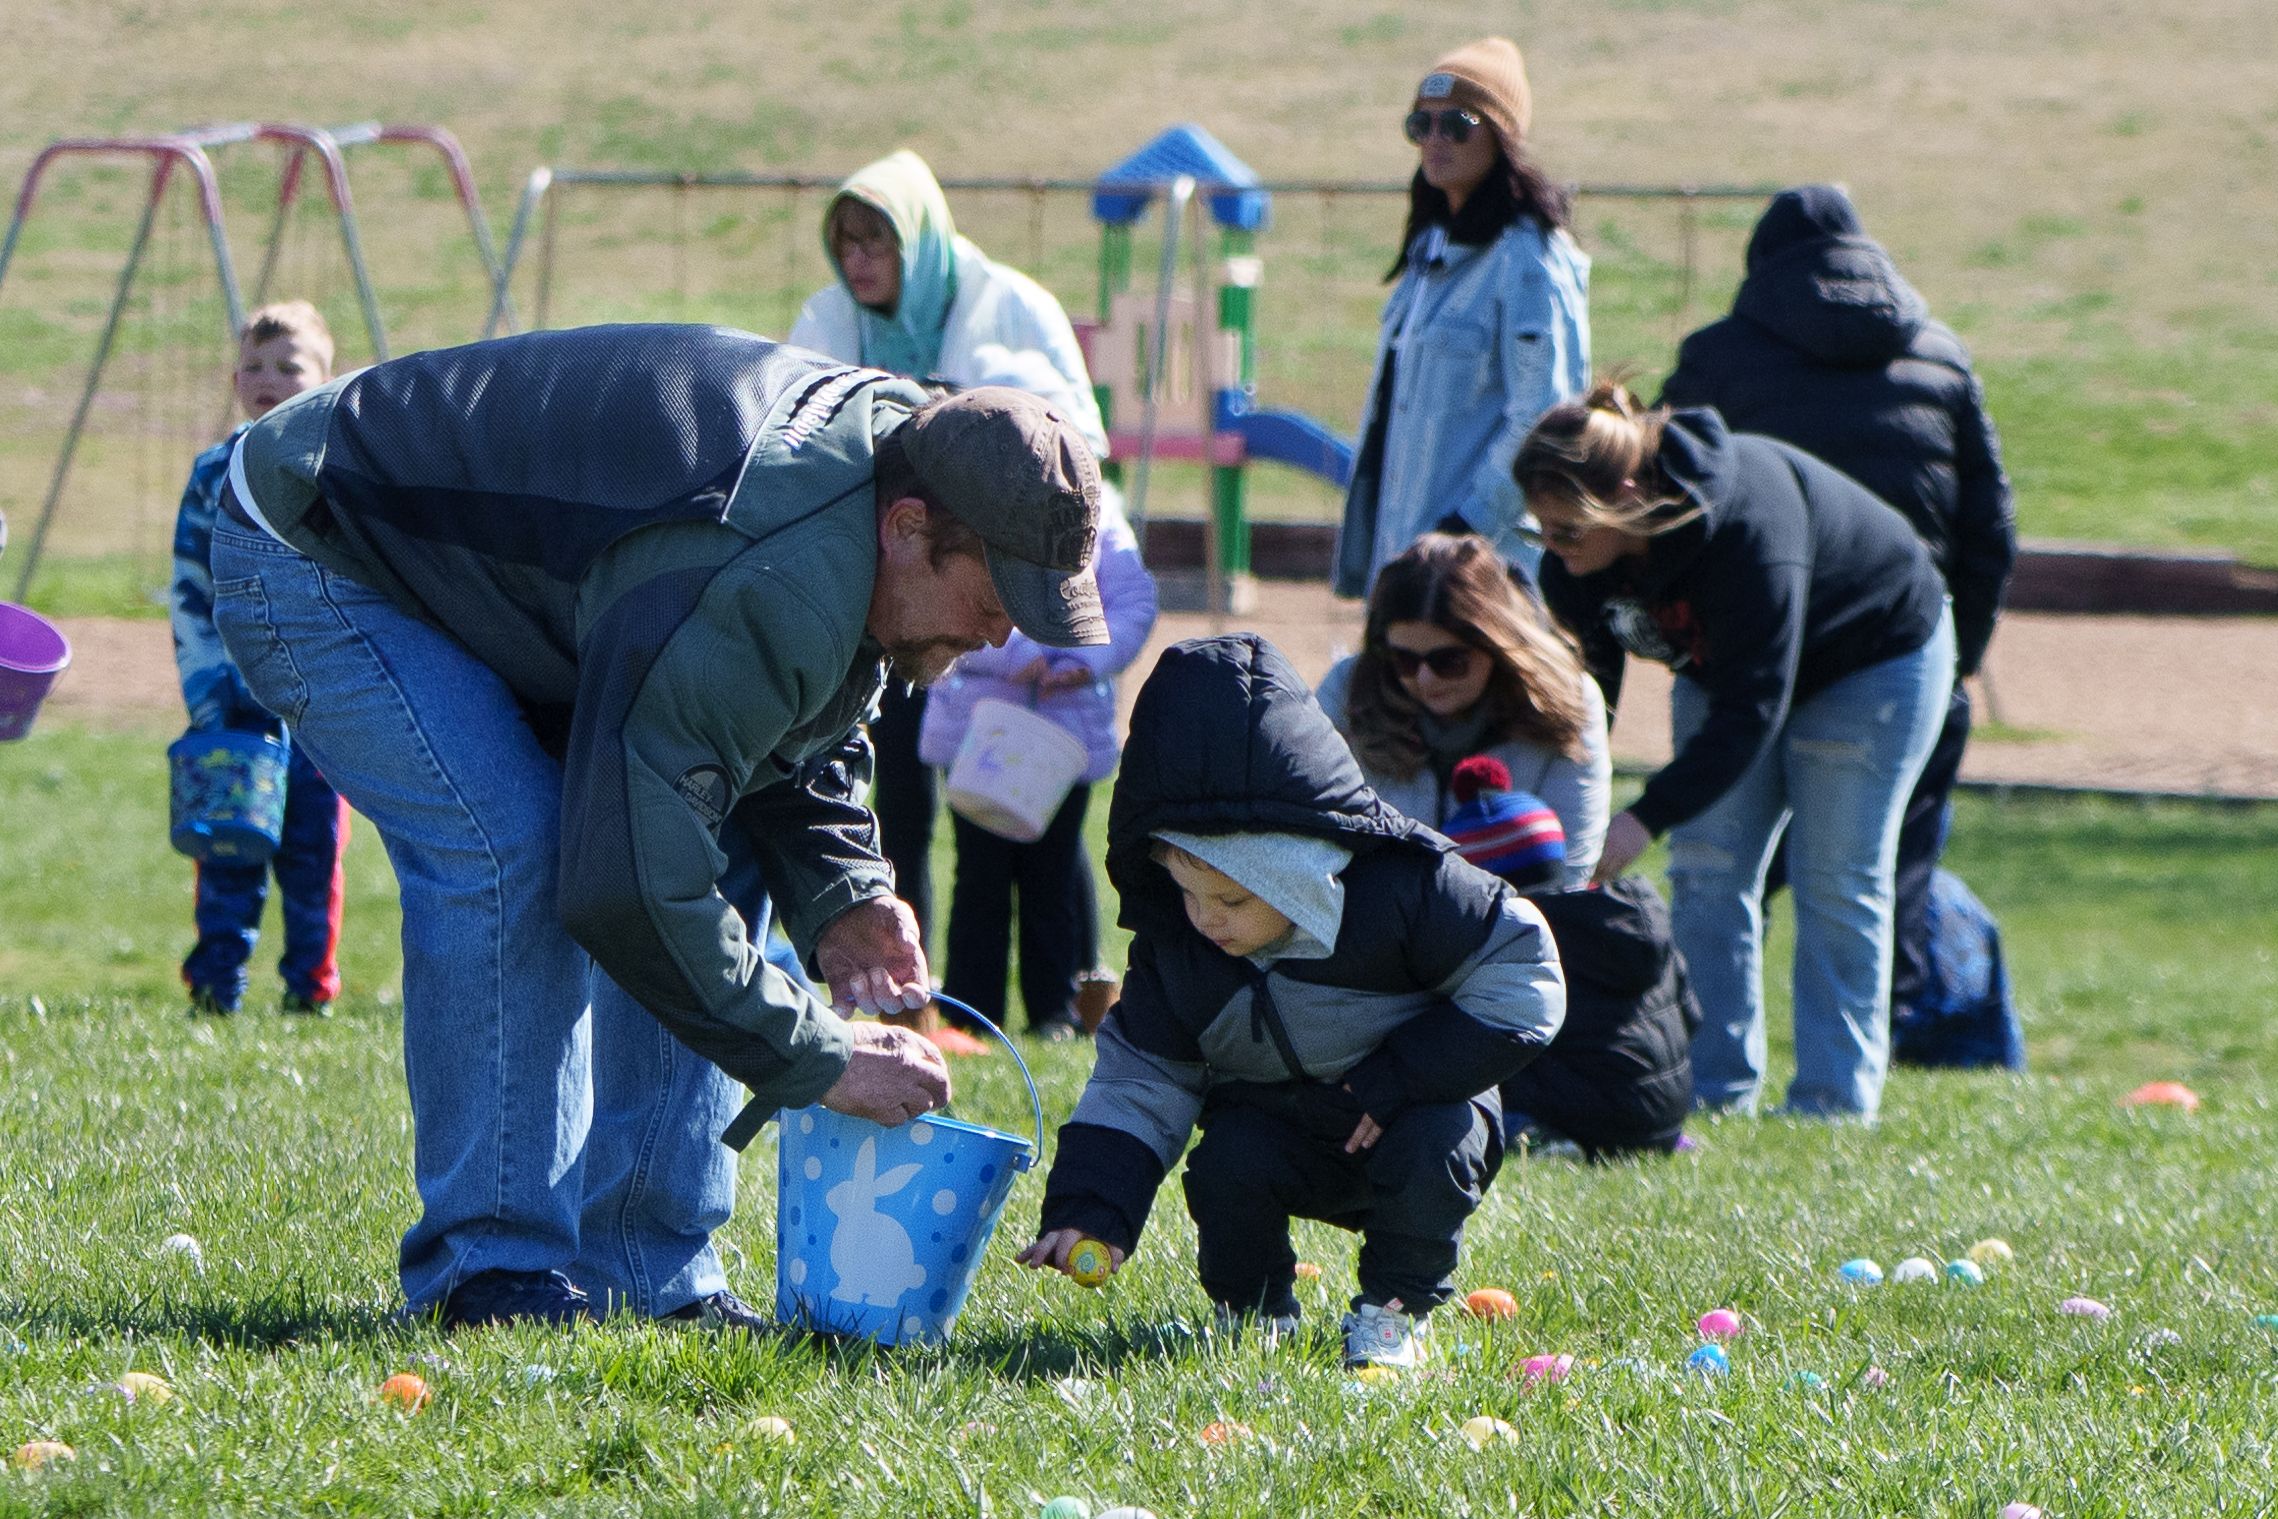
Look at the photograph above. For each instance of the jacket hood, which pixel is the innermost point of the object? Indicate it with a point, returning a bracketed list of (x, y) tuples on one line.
[(1615, 936), (1699, 459), (1226, 738), (901, 188), (1817, 282)]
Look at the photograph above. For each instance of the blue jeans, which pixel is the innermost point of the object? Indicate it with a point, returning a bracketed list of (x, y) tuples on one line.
[(556, 1125), (1837, 775)]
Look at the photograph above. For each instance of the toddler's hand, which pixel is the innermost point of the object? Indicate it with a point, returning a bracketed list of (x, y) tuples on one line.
[(1064, 677), (1050, 1252), (1365, 1135)]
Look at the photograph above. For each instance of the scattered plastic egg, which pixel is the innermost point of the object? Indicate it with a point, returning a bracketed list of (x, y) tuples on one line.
[(405, 1391), (1722, 1324), (1915, 1268), (1483, 1430), (2162, 1094), (1992, 1252), (2020, 1511), (1806, 1381), (1065, 1508), (34, 1454), (1370, 1376), (1491, 1303), (1860, 1272), (2084, 1308), (1546, 1368), (1965, 1272), (1875, 1376), (182, 1245), (145, 1387), (1226, 1432), (537, 1374), (1709, 1361), (2266, 1320), (770, 1429), (1308, 1272)]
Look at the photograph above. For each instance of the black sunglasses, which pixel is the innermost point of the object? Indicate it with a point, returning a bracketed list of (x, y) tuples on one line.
[(1455, 125), (1450, 661)]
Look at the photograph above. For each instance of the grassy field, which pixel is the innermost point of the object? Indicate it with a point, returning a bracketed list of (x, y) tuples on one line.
[(2066, 183), (2140, 938)]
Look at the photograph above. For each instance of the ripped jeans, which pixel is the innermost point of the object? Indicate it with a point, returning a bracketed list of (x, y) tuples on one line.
[(1838, 776)]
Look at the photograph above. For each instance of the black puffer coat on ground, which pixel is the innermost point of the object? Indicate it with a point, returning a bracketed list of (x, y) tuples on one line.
[(1619, 1076), (1830, 349)]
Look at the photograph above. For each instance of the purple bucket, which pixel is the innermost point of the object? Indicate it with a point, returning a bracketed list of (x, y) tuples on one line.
[(33, 652)]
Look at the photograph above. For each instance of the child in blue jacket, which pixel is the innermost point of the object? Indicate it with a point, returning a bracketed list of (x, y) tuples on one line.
[(286, 349)]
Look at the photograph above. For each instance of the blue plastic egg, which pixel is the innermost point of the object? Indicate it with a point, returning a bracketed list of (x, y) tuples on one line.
[(1861, 1272), (1709, 1361)]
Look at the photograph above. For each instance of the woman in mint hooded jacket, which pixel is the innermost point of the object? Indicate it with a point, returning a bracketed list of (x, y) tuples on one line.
[(914, 298), (1488, 326)]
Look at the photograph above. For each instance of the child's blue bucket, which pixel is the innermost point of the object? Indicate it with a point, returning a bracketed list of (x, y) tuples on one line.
[(878, 1231), (33, 652), (227, 795)]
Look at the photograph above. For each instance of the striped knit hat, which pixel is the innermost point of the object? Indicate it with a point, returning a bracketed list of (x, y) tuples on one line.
[(1504, 832)]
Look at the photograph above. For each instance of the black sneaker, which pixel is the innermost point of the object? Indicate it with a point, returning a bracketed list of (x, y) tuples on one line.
[(511, 1297), (717, 1311), (205, 1003), (295, 1006)]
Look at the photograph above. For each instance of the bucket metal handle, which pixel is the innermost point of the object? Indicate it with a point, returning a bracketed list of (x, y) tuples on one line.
[(1035, 1100)]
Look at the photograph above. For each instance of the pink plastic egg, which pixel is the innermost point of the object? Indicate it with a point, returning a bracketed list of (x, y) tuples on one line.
[(1721, 1324), (1547, 1368), (2084, 1307)]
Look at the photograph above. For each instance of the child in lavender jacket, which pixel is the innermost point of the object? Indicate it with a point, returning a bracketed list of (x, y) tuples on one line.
[(1059, 914)]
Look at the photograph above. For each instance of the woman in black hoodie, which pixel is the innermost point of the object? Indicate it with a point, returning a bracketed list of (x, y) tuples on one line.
[(1814, 652)]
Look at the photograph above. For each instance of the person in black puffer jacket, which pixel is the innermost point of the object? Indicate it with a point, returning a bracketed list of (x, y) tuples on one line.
[(1327, 988), (1830, 349)]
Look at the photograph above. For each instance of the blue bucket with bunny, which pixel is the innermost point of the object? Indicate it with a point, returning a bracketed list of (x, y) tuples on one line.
[(878, 1231)]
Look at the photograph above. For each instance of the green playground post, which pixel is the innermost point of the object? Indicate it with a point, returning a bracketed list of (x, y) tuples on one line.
[(1239, 269)]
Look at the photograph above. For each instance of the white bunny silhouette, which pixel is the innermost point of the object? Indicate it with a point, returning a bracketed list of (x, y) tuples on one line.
[(870, 1252)]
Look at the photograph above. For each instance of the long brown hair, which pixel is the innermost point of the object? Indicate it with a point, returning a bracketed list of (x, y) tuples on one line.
[(1457, 582)]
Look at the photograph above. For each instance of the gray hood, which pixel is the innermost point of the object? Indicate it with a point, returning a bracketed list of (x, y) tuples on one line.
[(1296, 875)]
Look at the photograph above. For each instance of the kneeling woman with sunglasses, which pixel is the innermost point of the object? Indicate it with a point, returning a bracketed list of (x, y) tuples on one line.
[(1488, 326), (1457, 661)]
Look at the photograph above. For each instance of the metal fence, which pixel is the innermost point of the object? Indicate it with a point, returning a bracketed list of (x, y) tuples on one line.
[(410, 265)]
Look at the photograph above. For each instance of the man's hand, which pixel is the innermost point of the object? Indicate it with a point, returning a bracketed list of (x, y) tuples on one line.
[(894, 1075), (1626, 839), (872, 959), (1050, 1252)]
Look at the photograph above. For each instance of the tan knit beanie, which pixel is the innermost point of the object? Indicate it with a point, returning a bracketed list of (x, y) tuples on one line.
[(1489, 79)]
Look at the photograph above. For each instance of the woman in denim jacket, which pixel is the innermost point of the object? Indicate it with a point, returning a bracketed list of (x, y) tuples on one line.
[(1488, 326)]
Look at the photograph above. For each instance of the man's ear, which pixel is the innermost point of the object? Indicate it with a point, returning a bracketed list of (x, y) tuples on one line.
[(902, 522)]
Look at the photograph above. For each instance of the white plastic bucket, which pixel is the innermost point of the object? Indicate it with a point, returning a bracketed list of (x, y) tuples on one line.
[(1013, 770)]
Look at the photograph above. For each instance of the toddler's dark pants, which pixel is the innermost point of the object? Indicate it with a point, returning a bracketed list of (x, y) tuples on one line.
[(1270, 1153), (903, 795), (307, 866), (1059, 916)]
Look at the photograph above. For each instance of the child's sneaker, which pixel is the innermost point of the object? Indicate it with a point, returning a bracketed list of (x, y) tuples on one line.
[(296, 1006), (1383, 1335), (1231, 1322), (205, 1002)]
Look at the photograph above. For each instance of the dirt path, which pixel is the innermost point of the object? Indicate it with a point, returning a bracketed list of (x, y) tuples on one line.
[(2134, 703)]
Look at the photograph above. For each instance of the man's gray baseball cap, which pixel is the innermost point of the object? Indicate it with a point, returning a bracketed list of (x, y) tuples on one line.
[(1009, 467)]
